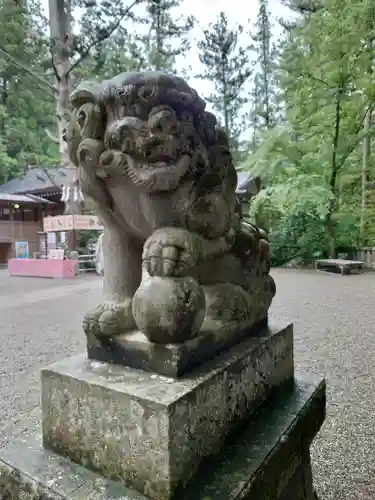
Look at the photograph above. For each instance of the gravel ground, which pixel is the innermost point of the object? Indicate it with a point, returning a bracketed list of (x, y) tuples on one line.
[(39, 324), (334, 335), (334, 323)]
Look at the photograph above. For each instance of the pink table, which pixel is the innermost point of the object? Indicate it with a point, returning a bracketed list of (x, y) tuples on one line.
[(43, 268)]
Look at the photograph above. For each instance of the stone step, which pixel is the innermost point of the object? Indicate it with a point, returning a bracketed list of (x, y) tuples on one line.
[(268, 460)]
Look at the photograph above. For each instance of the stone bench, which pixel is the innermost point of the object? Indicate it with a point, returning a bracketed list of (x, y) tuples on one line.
[(345, 266)]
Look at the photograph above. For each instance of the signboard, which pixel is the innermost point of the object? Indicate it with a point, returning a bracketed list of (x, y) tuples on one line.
[(22, 249), (87, 222), (56, 254), (59, 223), (70, 222), (51, 240)]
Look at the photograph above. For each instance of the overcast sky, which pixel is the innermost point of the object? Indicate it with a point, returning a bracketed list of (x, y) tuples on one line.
[(237, 11), (206, 11)]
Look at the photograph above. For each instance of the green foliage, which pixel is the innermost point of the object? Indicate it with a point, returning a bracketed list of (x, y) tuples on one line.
[(158, 37), (310, 96), (101, 47), (101, 22), (26, 107), (301, 235), (311, 161), (113, 56), (86, 240)]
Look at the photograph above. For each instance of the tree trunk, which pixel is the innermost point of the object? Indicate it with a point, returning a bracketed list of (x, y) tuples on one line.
[(367, 123), (224, 83), (365, 175), (60, 13), (332, 182), (265, 62), (159, 39)]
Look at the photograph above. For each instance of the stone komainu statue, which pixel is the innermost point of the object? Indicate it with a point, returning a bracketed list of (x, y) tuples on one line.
[(160, 173)]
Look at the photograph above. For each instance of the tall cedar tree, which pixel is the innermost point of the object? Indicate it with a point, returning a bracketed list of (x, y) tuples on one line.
[(115, 55), (264, 91), (227, 66), (167, 36)]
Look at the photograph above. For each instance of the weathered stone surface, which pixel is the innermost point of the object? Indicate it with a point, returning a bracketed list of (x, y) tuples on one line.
[(169, 309), (30, 472), (152, 431), (172, 360), (161, 176), (268, 459)]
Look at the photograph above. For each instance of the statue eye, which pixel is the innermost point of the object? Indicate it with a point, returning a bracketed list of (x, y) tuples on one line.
[(125, 140), (174, 126), (165, 123), (127, 143), (163, 120), (120, 137), (186, 116)]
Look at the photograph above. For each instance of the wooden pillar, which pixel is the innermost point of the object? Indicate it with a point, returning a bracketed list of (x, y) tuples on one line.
[(71, 240)]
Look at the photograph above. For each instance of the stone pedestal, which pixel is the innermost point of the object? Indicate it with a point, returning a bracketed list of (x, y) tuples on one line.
[(172, 360), (105, 426), (150, 431), (268, 460)]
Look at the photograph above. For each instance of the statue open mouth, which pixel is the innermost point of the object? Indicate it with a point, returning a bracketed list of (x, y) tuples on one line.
[(161, 160), (158, 175)]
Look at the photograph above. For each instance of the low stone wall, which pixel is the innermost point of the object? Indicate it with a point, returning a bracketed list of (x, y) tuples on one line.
[(366, 255), (43, 268)]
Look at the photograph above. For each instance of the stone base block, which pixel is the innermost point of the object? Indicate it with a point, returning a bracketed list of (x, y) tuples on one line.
[(150, 431), (172, 360), (268, 459)]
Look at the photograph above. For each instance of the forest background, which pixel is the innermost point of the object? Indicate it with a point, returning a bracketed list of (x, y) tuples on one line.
[(291, 81)]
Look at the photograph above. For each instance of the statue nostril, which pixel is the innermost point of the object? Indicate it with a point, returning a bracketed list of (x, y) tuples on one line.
[(156, 129), (81, 118), (152, 143)]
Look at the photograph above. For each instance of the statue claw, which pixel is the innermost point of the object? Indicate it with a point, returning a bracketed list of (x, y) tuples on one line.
[(109, 319), (169, 252)]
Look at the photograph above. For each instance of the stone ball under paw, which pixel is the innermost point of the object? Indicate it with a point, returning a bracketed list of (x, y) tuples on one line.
[(169, 310)]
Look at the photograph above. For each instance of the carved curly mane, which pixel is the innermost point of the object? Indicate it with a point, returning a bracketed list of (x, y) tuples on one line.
[(132, 96)]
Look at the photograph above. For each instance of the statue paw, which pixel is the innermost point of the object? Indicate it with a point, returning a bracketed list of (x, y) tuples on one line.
[(109, 319), (170, 252), (227, 302)]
